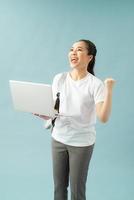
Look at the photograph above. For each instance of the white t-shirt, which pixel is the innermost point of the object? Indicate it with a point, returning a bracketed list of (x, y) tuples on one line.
[(76, 125)]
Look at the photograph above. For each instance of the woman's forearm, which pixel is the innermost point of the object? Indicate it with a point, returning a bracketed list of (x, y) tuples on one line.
[(104, 109), (106, 106)]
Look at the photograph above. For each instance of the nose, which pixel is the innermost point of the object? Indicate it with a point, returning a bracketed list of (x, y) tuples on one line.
[(74, 52)]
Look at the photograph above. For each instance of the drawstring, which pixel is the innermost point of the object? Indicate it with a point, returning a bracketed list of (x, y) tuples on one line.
[(57, 103), (56, 107)]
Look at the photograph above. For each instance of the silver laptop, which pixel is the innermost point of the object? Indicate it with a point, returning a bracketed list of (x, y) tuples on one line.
[(32, 97)]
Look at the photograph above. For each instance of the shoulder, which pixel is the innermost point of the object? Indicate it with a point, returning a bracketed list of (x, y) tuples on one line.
[(95, 80), (95, 84), (59, 76)]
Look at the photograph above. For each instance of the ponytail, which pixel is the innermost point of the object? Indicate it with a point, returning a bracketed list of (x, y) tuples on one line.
[(90, 67), (91, 51)]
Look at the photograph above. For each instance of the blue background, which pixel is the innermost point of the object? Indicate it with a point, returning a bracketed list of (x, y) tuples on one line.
[(35, 37)]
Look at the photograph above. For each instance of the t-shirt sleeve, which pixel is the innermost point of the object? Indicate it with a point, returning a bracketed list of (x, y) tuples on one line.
[(55, 85), (99, 92), (48, 123)]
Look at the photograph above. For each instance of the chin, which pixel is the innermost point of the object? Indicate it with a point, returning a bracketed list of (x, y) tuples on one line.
[(73, 66)]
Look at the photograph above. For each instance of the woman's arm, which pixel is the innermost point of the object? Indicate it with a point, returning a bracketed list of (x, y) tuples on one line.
[(103, 109)]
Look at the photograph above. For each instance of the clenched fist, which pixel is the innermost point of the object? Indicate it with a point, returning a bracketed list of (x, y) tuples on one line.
[(109, 83)]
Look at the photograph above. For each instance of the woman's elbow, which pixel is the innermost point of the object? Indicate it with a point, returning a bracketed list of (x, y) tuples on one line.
[(103, 119)]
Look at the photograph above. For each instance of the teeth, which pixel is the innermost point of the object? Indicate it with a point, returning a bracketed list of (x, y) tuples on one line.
[(74, 59)]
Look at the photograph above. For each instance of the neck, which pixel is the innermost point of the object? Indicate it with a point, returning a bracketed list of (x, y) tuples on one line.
[(78, 74)]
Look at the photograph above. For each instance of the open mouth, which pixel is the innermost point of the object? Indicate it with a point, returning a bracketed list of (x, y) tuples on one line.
[(74, 59)]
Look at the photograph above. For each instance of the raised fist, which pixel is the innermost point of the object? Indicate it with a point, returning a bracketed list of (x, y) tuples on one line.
[(109, 83)]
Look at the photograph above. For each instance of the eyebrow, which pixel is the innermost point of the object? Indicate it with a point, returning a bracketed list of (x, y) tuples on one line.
[(77, 47)]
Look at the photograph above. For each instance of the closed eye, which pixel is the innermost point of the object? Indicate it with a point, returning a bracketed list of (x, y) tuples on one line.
[(71, 49), (79, 49)]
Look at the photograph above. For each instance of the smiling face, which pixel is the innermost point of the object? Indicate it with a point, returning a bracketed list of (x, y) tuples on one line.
[(78, 56)]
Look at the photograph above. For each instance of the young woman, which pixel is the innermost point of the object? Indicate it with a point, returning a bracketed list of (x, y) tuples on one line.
[(82, 97)]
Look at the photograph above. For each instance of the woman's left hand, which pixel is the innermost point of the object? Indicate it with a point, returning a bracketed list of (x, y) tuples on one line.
[(109, 83), (42, 116)]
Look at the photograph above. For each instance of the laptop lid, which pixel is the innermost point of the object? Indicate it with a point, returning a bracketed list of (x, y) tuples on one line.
[(32, 97)]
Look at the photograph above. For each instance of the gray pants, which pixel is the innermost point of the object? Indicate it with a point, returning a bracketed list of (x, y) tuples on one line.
[(73, 162)]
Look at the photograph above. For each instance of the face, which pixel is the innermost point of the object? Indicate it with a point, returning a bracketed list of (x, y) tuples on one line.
[(78, 55)]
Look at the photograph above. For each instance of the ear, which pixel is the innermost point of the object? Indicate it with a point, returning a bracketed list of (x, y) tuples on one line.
[(90, 57)]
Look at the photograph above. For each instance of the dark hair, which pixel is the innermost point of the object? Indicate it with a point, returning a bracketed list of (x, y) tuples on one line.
[(91, 51)]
